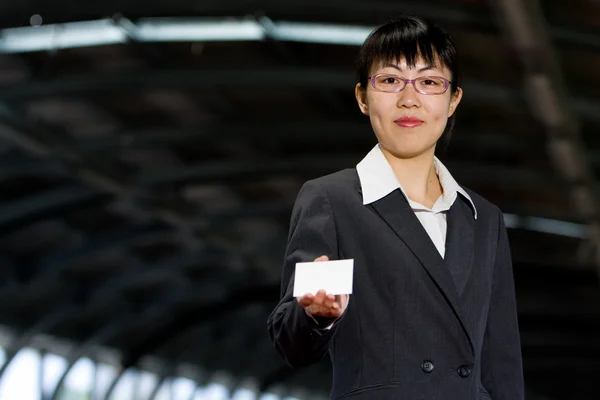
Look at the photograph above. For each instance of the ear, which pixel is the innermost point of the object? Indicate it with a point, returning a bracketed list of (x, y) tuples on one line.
[(361, 99), (454, 101)]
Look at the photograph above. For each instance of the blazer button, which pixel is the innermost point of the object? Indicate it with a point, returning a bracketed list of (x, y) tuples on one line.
[(464, 371), (427, 366)]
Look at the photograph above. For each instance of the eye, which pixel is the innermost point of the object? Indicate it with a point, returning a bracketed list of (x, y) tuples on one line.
[(386, 80), (430, 82)]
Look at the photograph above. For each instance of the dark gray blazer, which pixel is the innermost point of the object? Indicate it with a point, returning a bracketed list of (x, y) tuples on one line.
[(418, 326)]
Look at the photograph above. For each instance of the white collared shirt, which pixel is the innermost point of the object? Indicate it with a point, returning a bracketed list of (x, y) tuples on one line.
[(377, 180)]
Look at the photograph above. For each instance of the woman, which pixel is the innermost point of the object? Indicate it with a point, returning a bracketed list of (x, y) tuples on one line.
[(432, 314)]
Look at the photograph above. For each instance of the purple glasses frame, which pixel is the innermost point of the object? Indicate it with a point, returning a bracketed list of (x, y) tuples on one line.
[(410, 81)]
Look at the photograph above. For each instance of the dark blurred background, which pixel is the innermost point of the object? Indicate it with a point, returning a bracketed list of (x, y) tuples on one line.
[(151, 152)]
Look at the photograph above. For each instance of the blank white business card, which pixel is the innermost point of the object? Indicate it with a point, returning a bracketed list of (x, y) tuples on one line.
[(335, 277)]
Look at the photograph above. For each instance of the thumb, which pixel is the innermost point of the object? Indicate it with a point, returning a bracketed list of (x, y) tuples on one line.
[(322, 258)]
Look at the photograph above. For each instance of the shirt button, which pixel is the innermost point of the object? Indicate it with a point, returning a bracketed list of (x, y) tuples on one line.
[(464, 371), (427, 366)]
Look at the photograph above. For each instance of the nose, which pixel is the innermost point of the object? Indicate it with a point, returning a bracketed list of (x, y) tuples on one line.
[(408, 97)]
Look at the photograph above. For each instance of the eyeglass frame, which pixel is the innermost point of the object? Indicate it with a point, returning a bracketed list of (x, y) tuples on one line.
[(406, 81)]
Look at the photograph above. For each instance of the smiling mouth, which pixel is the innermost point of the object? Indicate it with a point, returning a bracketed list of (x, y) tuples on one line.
[(408, 122)]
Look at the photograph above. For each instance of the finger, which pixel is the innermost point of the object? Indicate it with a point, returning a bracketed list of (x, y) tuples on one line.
[(322, 258), (329, 301), (340, 304), (327, 311), (335, 312), (306, 300), (342, 300), (316, 310), (331, 312), (313, 310), (319, 297)]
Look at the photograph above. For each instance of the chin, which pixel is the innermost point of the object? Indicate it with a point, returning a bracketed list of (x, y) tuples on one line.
[(408, 150)]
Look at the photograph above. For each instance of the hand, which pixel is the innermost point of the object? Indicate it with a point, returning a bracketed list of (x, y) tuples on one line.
[(323, 304)]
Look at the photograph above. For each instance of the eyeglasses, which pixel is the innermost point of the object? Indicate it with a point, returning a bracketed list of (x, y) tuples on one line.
[(425, 84)]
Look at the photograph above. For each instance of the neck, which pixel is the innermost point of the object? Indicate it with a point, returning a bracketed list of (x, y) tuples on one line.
[(417, 176)]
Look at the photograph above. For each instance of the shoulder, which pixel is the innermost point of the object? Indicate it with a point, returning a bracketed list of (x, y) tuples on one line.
[(334, 183), (324, 193), (336, 189), (486, 210)]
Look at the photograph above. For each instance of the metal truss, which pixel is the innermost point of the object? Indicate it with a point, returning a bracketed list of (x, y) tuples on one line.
[(47, 323), (15, 129), (13, 214), (469, 16), (524, 24), (221, 301), (169, 368), (87, 349)]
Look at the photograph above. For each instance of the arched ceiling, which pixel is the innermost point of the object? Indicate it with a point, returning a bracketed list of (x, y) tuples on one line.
[(146, 186)]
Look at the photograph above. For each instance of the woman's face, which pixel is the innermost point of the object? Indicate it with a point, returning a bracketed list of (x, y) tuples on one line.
[(408, 124)]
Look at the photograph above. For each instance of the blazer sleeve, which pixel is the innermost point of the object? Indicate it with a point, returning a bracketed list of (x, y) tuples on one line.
[(300, 339), (502, 368)]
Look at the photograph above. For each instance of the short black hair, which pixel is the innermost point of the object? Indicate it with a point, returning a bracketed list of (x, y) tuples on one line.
[(411, 38)]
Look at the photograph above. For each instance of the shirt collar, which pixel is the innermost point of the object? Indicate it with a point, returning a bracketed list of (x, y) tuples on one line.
[(377, 180)]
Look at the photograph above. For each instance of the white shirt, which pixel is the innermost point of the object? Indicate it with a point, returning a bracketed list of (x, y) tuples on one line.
[(377, 180)]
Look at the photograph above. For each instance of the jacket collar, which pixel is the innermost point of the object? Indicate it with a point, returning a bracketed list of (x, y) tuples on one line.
[(377, 180)]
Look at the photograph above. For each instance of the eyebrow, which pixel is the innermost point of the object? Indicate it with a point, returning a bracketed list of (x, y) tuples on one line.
[(425, 68)]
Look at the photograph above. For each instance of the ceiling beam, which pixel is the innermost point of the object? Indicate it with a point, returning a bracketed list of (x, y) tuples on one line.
[(44, 143), (98, 244), (180, 319), (525, 26), (89, 348), (471, 16), (17, 212), (26, 167), (46, 324)]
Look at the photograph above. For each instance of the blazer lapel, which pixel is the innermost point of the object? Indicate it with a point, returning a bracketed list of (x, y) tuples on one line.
[(396, 212), (459, 243)]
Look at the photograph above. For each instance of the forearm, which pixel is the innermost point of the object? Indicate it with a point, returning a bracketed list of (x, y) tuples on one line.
[(502, 368), (502, 372), (298, 338)]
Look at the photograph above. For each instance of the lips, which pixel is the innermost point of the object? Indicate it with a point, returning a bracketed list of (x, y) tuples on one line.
[(408, 122)]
